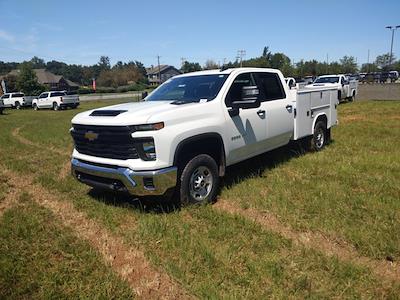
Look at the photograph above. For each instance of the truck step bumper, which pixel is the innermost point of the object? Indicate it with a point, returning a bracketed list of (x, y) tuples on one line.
[(118, 179)]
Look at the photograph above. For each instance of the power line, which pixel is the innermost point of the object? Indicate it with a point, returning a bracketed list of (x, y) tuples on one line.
[(159, 69), (240, 55)]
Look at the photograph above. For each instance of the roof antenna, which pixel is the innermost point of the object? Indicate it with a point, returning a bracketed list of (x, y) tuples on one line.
[(223, 68)]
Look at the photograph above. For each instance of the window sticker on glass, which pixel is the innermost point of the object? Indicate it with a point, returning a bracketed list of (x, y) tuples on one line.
[(182, 85)]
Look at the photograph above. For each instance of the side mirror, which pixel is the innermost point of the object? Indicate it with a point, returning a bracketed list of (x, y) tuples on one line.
[(144, 95), (249, 98)]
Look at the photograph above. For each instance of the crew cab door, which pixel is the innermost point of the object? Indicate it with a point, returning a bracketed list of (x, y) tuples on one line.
[(246, 131), (278, 110), (42, 100)]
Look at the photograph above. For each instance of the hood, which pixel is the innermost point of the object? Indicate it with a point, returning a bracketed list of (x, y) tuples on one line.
[(134, 113), (319, 85)]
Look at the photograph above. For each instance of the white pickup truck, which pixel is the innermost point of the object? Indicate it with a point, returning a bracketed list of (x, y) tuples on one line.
[(187, 131), (1, 106), (55, 100), (16, 100), (347, 89)]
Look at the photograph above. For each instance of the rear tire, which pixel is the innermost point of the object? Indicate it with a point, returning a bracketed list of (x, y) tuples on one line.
[(320, 137), (55, 106), (17, 105), (198, 182)]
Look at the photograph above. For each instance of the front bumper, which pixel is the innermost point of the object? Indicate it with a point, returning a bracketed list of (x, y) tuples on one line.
[(119, 179)]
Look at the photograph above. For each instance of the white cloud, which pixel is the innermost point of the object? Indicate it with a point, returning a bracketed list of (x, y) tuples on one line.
[(6, 36)]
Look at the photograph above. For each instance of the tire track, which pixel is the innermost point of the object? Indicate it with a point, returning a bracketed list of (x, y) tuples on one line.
[(16, 134), (130, 263), (336, 248)]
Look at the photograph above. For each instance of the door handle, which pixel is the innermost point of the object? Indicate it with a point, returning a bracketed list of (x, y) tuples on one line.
[(261, 112), (289, 107)]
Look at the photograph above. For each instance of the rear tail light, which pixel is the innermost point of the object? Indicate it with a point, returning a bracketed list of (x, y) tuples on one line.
[(61, 99)]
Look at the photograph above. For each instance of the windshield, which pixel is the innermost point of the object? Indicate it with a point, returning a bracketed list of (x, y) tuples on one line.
[(189, 89), (327, 80)]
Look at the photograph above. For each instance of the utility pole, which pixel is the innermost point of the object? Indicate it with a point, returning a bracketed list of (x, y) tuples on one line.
[(159, 69), (392, 28), (240, 55), (368, 62)]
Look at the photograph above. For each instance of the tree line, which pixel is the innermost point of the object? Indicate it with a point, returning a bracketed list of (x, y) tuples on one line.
[(132, 75)]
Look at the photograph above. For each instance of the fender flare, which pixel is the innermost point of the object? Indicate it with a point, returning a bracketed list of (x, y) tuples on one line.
[(201, 136), (316, 118)]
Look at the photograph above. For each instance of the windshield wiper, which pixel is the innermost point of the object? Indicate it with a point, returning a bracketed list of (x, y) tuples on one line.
[(180, 102)]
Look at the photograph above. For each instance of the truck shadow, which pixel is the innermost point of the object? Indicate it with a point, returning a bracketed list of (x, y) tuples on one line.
[(253, 167)]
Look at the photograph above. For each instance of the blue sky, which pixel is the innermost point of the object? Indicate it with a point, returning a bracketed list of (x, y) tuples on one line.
[(81, 31)]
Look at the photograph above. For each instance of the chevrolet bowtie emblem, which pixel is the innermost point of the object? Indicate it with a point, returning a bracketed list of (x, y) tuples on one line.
[(91, 136)]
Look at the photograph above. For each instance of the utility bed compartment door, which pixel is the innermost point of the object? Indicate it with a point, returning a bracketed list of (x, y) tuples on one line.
[(309, 105)]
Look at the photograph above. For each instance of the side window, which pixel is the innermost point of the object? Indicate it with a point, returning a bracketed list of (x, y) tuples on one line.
[(271, 86), (342, 80), (44, 95), (6, 96), (235, 91)]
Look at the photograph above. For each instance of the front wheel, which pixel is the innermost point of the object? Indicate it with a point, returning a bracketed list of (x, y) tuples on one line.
[(320, 137), (35, 107), (199, 180)]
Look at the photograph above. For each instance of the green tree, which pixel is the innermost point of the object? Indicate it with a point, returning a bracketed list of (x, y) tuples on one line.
[(104, 63), (27, 81), (382, 61), (38, 63), (190, 67), (210, 65), (349, 64)]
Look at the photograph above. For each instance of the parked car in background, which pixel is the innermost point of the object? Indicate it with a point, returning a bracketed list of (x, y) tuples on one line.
[(347, 89), (55, 100), (1, 106), (16, 100), (393, 76)]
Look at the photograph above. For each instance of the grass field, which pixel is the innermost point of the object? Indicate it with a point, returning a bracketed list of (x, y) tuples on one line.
[(287, 224)]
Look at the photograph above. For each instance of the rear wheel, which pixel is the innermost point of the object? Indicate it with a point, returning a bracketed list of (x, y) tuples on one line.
[(320, 137), (17, 105), (198, 181), (55, 106)]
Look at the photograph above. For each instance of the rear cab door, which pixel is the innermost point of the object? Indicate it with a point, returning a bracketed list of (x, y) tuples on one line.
[(278, 106)]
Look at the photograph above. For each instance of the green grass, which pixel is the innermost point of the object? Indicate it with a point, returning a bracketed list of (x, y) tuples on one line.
[(40, 259), (349, 191)]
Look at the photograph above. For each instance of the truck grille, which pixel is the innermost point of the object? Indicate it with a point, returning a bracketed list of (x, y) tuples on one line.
[(104, 141)]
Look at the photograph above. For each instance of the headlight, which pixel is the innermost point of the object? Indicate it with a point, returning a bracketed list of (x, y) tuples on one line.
[(145, 148), (148, 127)]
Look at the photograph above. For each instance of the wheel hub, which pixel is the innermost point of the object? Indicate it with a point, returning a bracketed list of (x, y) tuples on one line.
[(201, 183)]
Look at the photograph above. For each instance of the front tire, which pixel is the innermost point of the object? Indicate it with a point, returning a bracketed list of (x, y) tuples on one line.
[(199, 180), (320, 137), (35, 107), (55, 106)]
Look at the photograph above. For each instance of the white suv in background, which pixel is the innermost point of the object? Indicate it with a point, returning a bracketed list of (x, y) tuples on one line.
[(15, 100)]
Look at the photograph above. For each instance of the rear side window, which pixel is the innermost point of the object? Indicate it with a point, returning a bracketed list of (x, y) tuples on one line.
[(271, 86), (57, 94), (17, 95)]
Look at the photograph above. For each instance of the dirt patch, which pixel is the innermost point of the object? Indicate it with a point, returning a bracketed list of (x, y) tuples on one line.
[(16, 133), (65, 170), (389, 91), (337, 248), (352, 118), (10, 198), (131, 264)]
